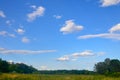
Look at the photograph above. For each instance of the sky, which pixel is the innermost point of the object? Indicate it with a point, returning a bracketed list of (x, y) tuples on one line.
[(59, 34)]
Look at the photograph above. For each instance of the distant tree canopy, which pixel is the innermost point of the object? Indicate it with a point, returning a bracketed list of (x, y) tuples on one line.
[(6, 67), (85, 72), (11, 67), (108, 66)]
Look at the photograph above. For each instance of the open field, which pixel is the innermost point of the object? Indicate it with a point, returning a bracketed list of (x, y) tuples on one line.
[(54, 77)]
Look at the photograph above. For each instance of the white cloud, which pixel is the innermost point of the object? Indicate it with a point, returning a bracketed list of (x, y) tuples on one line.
[(2, 14), (70, 27), (8, 22), (10, 61), (110, 35), (37, 13), (106, 3), (76, 55), (64, 58), (43, 68), (57, 16), (25, 40), (12, 35), (33, 6), (115, 28), (103, 35), (84, 53), (2, 48), (20, 31), (5, 33), (7, 51)]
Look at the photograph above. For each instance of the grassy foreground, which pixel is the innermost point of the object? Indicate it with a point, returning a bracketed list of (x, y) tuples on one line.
[(54, 77)]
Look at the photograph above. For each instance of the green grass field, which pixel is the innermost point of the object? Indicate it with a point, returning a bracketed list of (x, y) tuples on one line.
[(54, 77)]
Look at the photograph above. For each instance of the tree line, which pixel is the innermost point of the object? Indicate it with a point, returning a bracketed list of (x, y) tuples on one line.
[(84, 72), (108, 66), (11, 67)]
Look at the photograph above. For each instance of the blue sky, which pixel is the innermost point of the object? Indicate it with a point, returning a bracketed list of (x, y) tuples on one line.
[(59, 34)]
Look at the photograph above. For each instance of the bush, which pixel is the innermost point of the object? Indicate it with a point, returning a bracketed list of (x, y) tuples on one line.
[(0, 73), (116, 74)]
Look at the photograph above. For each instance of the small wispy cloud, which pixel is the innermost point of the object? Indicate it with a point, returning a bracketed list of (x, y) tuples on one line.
[(76, 55), (106, 3), (33, 6), (2, 49), (84, 53), (43, 68), (20, 31), (8, 22), (11, 61), (5, 33), (12, 35), (39, 11), (2, 14), (57, 16), (63, 58), (8, 51), (25, 40), (70, 27), (115, 28), (110, 35)]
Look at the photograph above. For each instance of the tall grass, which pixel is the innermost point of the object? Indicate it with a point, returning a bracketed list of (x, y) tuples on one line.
[(54, 77)]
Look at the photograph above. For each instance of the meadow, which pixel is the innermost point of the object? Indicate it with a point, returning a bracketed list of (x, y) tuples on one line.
[(54, 77)]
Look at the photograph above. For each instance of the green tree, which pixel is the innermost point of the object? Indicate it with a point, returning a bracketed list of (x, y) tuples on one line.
[(101, 67), (4, 66), (114, 65), (108, 66)]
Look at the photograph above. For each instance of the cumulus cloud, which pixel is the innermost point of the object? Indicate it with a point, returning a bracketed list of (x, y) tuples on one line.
[(39, 11), (70, 27), (76, 55), (57, 16), (25, 40), (115, 28), (7, 51), (5, 33), (2, 14), (20, 31), (106, 3)]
